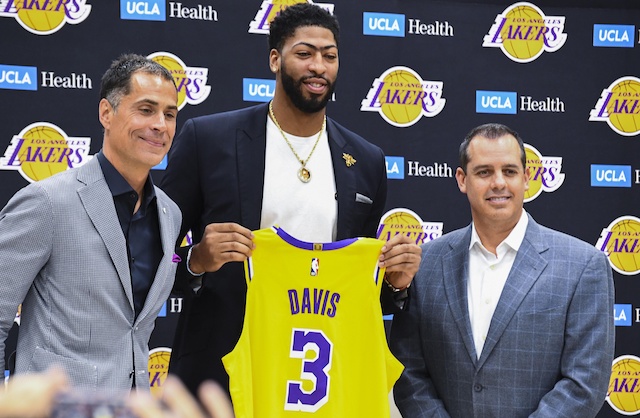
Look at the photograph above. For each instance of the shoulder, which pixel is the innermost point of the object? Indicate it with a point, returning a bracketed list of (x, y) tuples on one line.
[(351, 137), (230, 115), (559, 242)]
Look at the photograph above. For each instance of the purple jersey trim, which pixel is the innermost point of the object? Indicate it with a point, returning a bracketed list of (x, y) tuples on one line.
[(326, 246)]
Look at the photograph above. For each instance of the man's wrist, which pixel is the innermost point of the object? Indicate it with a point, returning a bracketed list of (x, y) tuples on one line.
[(393, 288), (188, 264)]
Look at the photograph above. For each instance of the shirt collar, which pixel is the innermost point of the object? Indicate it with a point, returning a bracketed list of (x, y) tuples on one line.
[(118, 185), (513, 240)]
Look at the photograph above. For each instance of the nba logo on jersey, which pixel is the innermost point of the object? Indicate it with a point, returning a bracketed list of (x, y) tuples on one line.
[(315, 266)]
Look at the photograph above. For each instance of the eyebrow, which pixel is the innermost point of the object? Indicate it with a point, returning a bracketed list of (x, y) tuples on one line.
[(154, 103), (315, 47)]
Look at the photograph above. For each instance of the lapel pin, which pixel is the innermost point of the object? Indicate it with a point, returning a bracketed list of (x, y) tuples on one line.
[(164, 210), (348, 159)]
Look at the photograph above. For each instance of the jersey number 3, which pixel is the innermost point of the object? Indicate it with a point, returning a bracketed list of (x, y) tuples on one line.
[(315, 370)]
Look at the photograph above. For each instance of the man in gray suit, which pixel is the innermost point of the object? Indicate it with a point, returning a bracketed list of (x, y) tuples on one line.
[(89, 252), (506, 318)]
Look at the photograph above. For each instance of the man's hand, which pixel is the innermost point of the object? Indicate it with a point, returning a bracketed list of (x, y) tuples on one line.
[(220, 244), (32, 395), (401, 257)]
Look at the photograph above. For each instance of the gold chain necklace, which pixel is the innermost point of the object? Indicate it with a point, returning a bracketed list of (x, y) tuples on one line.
[(303, 173)]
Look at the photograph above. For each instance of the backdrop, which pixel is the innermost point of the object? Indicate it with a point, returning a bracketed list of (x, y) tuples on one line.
[(415, 77)]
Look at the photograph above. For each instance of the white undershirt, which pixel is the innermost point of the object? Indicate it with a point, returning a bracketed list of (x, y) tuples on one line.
[(307, 211), (487, 276)]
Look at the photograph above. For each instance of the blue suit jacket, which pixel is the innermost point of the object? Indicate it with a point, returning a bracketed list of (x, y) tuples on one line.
[(550, 346), (215, 173)]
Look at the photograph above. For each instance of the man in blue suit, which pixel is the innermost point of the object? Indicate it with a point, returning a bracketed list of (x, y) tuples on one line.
[(284, 163), (506, 318)]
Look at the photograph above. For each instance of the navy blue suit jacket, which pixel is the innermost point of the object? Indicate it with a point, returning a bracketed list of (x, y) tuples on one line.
[(215, 173)]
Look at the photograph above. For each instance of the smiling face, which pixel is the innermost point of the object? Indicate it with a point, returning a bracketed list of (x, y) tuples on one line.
[(307, 67), (139, 131), (494, 182)]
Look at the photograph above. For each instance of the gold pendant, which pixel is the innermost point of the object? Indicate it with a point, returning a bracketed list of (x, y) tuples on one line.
[(304, 175)]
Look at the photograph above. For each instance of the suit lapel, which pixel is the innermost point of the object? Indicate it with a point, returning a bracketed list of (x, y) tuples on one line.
[(455, 271), (168, 245), (527, 267), (96, 196), (251, 140), (345, 180)]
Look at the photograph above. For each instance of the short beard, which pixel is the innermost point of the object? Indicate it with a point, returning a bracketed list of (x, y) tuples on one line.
[(293, 90)]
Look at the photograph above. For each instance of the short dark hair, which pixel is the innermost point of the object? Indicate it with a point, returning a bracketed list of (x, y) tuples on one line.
[(284, 25), (490, 131), (116, 81)]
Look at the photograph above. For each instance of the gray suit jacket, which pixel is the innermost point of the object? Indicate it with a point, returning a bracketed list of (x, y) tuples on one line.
[(64, 257), (549, 348)]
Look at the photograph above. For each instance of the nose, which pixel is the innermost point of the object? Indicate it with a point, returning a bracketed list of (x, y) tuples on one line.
[(159, 122), (317, 65), (498, 181)]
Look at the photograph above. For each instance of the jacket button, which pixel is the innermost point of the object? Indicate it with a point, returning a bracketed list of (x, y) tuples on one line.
[(477, 387)]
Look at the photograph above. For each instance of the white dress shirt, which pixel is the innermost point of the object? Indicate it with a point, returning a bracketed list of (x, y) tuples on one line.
[(488, 273)]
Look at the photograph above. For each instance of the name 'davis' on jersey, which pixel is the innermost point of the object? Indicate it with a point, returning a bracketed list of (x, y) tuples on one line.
[(317, 302)]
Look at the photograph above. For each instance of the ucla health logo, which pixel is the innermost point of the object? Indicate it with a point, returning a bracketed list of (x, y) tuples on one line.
[(383, 24), (623, 394), (42, 149), (620, 241), (407, 222), (619, 106), (270, 8), (395, 167), (496, 102), (523, 32), (622, 315), (401, 97), (143, 10), (45, 17), (15, 77), (544, 173), (257, 89), (610, 175), (613, 35), (191, 81)]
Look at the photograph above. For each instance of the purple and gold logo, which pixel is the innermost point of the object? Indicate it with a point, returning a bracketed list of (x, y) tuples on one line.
[(45, 17), (619, 106), (191, 81), (42, 149), (407, 222), (544, 173), (623, 395), (620, 241), (402, 97), (523, 32)]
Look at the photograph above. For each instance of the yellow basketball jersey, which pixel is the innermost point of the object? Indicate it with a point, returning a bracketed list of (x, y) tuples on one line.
[(313, 341)]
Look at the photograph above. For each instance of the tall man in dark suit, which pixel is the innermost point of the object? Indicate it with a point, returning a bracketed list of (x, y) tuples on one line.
[(506, 318), (89, 252), (280, 163)]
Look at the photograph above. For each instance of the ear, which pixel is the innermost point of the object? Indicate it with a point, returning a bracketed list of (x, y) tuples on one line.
[(105, 111), (274, 61), (527, 176), (460, 178)]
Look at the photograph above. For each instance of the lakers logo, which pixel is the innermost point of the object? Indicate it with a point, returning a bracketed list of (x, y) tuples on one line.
[(158, 369), (406, 222), (624, 385), (619, 106), (191, 81), (42, 149), (544, 173), (620, 241), (45, 17), (523, 32), (402, 97), (270, 8)]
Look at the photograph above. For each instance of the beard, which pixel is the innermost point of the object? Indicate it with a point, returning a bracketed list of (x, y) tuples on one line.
[(293, 89)]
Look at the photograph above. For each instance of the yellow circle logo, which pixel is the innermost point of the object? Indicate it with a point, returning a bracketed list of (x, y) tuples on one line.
[(45, 17), (406, 222), (190, 81), (41, 141), (158, 369), (620, 241), (622, 106), (624, 386)]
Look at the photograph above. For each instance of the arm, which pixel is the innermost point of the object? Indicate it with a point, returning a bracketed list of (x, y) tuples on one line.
[(588, 349), (26, 235), (414, 392)]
